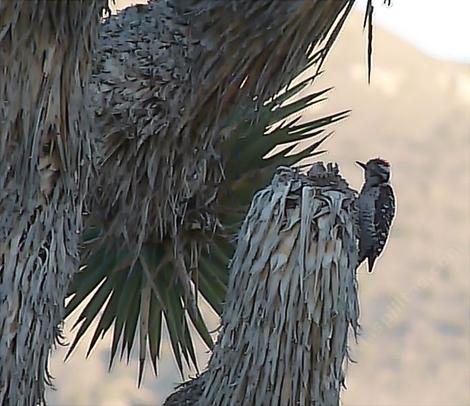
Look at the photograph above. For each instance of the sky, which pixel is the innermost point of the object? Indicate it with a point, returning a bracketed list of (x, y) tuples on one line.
[(440, 28)]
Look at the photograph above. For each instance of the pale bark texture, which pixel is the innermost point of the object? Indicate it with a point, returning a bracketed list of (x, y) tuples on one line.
[(45, 152), (291, 301)]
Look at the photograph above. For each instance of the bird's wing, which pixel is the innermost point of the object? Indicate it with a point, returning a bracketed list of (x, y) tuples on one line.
[(367, 229), (384, 213)]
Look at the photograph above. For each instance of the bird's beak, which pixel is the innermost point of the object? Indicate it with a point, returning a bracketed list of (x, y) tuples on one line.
[(362, 165)]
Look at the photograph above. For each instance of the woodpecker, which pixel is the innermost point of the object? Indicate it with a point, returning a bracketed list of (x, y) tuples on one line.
[(376, 204)]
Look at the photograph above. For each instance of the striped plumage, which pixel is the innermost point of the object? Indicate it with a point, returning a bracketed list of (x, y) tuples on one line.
[(376, 210)]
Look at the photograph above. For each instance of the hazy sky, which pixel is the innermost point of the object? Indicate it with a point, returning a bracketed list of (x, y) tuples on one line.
[(441, 28)]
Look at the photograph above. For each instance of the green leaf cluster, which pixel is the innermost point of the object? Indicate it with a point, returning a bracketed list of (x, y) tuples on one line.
[(140, 294)]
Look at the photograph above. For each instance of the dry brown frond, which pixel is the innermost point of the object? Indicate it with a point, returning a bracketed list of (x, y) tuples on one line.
[(44, 169)]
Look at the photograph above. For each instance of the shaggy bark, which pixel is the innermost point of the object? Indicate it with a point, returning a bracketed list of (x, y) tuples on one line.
[(292, 298), (44, 167), (172, 80), (167, 77)]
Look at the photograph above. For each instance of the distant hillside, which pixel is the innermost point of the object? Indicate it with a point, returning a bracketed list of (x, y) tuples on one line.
[(415, 113), (414, 349)]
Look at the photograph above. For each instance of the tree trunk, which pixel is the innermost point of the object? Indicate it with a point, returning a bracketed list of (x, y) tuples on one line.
[(291, 301), (45, 154)]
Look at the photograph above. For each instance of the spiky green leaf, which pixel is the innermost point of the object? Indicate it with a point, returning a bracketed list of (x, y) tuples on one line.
[(138, 291)]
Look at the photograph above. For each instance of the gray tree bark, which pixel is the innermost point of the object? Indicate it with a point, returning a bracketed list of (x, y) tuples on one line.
[(45, 155), (291, 301)]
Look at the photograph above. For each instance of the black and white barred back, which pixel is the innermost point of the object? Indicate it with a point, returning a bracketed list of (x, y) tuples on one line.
[(376, 210)]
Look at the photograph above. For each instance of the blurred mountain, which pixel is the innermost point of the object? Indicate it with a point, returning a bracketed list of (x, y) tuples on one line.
[(415, 347), (415, 342)]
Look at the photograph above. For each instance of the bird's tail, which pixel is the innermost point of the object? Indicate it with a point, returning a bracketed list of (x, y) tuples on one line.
[(370, 263)]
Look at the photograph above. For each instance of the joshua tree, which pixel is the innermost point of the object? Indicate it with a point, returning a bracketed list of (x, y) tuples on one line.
[(45, 154), (291, 298), (184, 92)]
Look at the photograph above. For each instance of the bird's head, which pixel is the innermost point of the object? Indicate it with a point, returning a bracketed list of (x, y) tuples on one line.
[(376, 170)]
